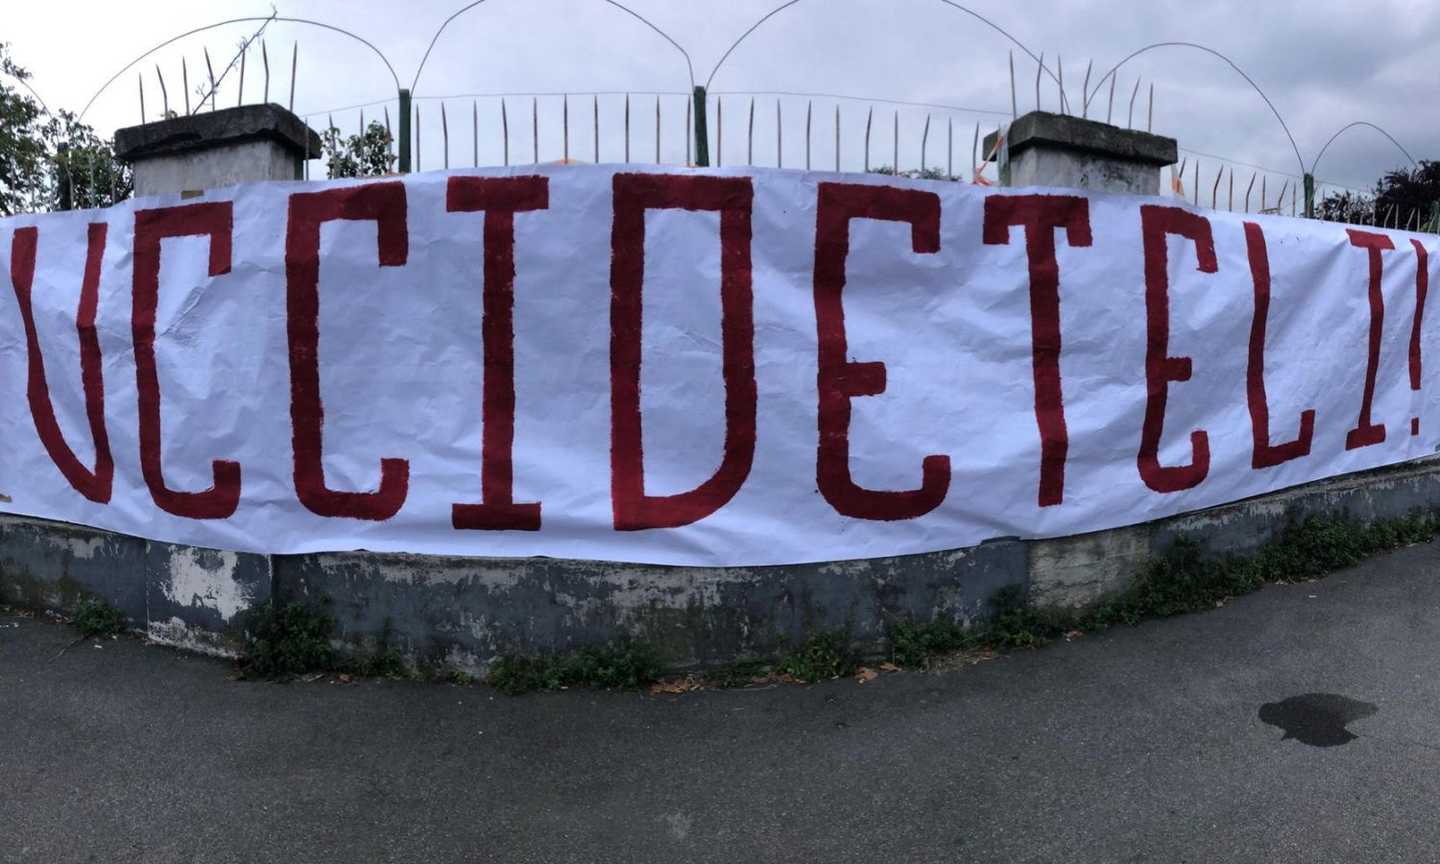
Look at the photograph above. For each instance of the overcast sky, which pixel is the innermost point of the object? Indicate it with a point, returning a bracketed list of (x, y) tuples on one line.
[(1322, 62)]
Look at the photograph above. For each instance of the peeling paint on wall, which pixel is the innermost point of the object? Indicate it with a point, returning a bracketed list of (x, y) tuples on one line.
[(206, 578)]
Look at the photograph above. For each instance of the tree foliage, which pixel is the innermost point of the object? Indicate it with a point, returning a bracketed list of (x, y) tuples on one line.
[(1402, 198), (46, 158), (366, 155)]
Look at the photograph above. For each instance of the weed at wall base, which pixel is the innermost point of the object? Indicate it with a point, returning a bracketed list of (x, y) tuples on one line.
[(621, 664), (1181, 580), (287, 640), (94, 618)]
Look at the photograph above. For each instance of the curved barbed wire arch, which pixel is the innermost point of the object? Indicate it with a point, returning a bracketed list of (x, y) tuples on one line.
[(1347, 127), (689, 66), (1231, 63), (971, 12), (128, 66), (26, 84)]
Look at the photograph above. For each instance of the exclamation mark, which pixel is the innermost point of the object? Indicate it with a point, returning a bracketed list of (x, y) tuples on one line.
[(1422, 280)]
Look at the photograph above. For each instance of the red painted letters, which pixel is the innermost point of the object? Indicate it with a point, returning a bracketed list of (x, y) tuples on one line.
[(732, 197), (384, 204), (95, 484), (1156, 223), (216, 221), (501, 198), (1365, 432), (1265, 454), (840, 380), (1422, 287), (1040, 215)]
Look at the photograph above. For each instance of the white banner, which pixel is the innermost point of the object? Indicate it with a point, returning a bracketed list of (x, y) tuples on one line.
[(728, 367)]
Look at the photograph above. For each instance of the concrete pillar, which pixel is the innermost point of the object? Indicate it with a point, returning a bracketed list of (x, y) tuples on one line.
[(217, 148), (1045, 149)]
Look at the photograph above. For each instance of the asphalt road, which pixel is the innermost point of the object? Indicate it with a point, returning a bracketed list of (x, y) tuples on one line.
[(1143, 744)]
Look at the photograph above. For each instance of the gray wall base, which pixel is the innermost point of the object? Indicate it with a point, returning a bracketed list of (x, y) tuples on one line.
[(461, 613), (176, 595)]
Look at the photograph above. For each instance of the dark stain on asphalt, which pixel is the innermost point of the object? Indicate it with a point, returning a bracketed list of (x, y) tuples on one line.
[(1317, 719)]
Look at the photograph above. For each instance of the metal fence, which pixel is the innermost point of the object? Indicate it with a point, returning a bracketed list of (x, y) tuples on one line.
[(704, 126)]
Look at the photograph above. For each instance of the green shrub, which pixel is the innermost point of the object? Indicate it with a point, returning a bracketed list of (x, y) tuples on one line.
[(94, 617), (287, 640), (623, 664), (824, 655)]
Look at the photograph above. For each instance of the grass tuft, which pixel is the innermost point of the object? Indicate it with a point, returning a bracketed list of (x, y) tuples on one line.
[(1180, 581), (623, 664), (94, 618)]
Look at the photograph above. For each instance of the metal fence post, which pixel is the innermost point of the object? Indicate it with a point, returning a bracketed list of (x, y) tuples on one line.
[(62, 162), (1309, 196), (404, 141), (702, 134)]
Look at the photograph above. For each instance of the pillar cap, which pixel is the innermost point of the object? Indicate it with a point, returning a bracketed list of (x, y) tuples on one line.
[(211, 129), (1077, 134)]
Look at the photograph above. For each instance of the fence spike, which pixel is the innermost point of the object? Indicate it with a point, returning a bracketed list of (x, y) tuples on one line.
[(1248, 190), (627, 127), (1040, 66), (1085, 91), (1280, 199), (750, 136), (1264, 197), (719, 131), (657, 127), (475, 133), (924, 143), (444, 137), (595, 122), (779, 138), (417, 136), (1215, 190), (1130, 118), (362, 122), (1014, 104), (294, 65), (164, 94), (808, 106), (265, 63), (975, 153), (1060, 80), (1293, 190), (564, 127), (240, 95), (895, 155), (504, 132), (950, 148), (535, 127), (688, 129), (185, 84), (1230, 205), (1197, 182), (140, 79), (389, 137), (869, 120), (1410, 223), (1150, 114), (209, 70), (1110, 106), (837, 137)]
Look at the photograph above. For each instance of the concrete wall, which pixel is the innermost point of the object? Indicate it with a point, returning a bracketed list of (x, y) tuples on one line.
[(196, 170), (1037, 167), (177, 595), (463, 612)]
